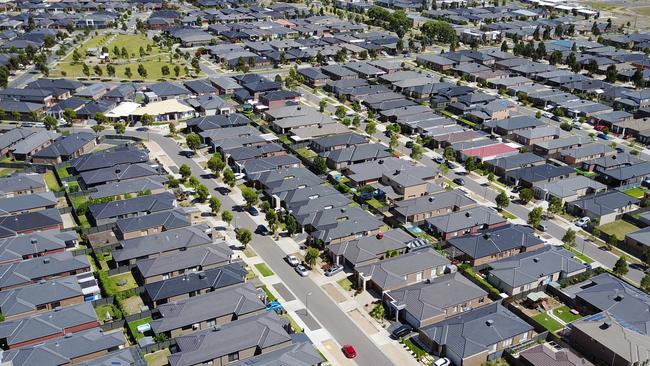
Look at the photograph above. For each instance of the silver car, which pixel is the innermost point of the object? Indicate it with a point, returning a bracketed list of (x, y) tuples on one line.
[(333, 270), (302, 270)]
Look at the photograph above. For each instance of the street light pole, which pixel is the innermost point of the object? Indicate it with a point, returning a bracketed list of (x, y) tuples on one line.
[(307, 303)]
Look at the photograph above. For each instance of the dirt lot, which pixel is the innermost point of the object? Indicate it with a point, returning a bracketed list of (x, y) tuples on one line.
[(637, 12)]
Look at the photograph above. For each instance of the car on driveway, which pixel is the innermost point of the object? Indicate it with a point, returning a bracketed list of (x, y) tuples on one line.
[(349, 351), (583, 222), (331, 271), (253, 211), (402, 331), (459, 181), (444, 361), (302, 270), (292, 260), (409, 144), (439, 160), (261, 230)]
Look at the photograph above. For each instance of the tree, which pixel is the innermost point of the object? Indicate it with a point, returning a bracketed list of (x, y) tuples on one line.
[(555, 205), (250, 196), (216, 164), (525, 195), (394, 142), (226, 216), (291, 224), (502, 200), (193, 182), (244, 236), (378, 311), (491, 177), (164, 70), (611, 74), (50, 122), (319, 165), (272, 218), (172, 128), (311, 257), (229, 178), (449, 154), (86, 70), (142, 71), (185, 171), (504, 46), (146, 119), (645, 257), (69, 115), (416, 152), (201, 193), (177, 70), (322, 104), (120, 128), (645, 282), (340, 112), (215, 205), (470, 164), (637, 79), (569, 238), (127, 72), (620, 267), (193, 141), (371, 127), (535, 217)]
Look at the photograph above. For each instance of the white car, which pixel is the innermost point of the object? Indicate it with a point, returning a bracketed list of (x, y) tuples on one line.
[(583, 222), (292, 260), (302, 270), (444, 361)]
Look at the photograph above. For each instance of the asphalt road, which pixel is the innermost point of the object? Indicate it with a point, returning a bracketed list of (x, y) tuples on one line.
[(321, 306)]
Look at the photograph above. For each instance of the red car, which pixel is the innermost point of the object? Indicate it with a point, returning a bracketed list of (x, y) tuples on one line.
[(349, 351)]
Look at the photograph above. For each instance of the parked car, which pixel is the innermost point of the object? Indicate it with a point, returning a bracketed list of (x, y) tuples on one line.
[(301, 270), (516, 189), (459, 181), (602, 136), (262, 230), (331, 271), (620, 150), (186, 153), (409, 144), (542, 227), (349, 351), (439, 160), (583, 222), (577, 125), (402, 331), (292, 260), (253, 211), (444, 361)]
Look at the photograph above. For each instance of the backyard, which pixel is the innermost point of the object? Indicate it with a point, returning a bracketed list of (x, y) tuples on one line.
[(548, 322), (565, 314), (153, 60), (133, 327), (636, 192), (51, 182), (618, 228), (118, 283)]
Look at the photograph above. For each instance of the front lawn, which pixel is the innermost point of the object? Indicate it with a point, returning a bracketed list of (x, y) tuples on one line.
[(415, 348), (547, 322), (296, 328), (269, 296), (264, 270), (158, 358), (133, 327), (636, 192), (345, 283), (306, 153), (508, 215), (579, 255), (51, 181), (619, 228), (564, 313)]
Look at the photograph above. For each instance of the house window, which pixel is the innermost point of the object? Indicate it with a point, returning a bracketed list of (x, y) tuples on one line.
[(418, 276), (507, 342), (493, 347), (523, 338), (233, 357)]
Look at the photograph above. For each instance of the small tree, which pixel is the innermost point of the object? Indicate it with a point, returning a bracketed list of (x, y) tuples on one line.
[(244, 236), (193, 141), (216, 165), (645, 257), (569, 238), (172, 129), (215, 205), (416, 152), (146, 119), (620, 267), (525, 195), (645, 282), (502, 200), (371, 127), (555, 205), (311, 257), (229, 178), (185, 171), (470, 164), (193, 182), (449, 154), (535, 217), (250, 196), (319, 165), (291, 224), (120, 128), (378, 311), (340, 112), (322, 104), (201, 193), (491, 177), (226, 216), (50, 122)]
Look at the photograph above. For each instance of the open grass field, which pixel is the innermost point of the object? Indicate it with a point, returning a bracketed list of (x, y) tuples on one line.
[(618, 228), (153, 61)]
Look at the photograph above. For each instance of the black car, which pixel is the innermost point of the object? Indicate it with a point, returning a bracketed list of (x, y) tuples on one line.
[(620, 150), (186, 153), (459, 181), (439, 160), (261, 230), (409, 144), (253, 211), (516, 189), (402, 331)]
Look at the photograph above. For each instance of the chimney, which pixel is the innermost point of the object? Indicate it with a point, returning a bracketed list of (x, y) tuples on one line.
[(468, 214), (46, 260), (34, 240), (202, 275), (536, 260), (489, 322)]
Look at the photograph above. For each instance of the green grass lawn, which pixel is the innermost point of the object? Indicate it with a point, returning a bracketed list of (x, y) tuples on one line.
[(83, 221), (249, 252), (158, 358), (345, 283), (579, 255), (375, 203), (586, 173), (296, 328), (269, 295), (51, 181), (112, 283), (63, 172), (78, 200), (114, 312), (415, 348), (73, 186), (508, 215), (618, 228), (134, 325), (305, 152), (547, 322), (264, 270), (636, 192), (564, 313)]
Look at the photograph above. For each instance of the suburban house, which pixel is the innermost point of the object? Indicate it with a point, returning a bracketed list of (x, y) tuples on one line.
[(537, 174), (533, 270), (204, 312), (19, 274), (418, 210), (109, 212), (491, 245), (604, 206), (397, 272), (38, 244), (426, 303), (464, 222), (569, 189), (39, 298), (28, 203), (134, 227), (473, 337), (22, 184), (371, 249), (29, 222), (66, 148), (543, 354)]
